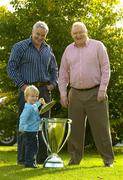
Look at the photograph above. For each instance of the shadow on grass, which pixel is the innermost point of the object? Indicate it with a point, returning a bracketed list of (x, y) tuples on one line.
[(7, 157), (21, 171)]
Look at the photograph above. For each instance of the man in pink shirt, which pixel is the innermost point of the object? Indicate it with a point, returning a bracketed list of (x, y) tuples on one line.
[(85, 68)]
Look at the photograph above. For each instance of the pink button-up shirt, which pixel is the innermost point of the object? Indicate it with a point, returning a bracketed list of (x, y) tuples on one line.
[(84, 67)]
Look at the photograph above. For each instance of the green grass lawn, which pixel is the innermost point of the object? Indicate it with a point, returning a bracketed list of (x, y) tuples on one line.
[(91, 168)]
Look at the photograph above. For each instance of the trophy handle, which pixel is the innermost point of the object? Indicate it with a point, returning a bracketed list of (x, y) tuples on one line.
[(68, 133), (44, 136)]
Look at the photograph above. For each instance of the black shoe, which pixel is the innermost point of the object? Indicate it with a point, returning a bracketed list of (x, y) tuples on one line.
[(108, 164), (30, 166)]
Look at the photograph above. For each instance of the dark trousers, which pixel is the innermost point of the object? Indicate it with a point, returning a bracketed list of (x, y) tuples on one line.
[(31, 147), (83, 105), (42, 150)]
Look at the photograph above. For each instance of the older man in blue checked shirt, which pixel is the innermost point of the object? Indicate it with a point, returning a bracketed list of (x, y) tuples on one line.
[(33, 62)]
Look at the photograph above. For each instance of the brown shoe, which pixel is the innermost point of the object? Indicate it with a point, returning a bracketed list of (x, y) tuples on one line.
[(72, 162)]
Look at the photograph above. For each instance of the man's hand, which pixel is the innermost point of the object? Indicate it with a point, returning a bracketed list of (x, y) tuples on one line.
[(24, 87), (64, 101), (101, 96), (50, 87)]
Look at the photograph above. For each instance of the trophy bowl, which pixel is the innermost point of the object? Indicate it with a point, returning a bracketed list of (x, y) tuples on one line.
[(55, 132), (47, 106)]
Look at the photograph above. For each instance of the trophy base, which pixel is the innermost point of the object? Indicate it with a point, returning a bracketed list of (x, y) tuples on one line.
[(53, 161)]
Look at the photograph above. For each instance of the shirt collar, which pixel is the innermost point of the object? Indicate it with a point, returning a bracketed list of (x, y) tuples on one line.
[(86, 43), (31, 43)]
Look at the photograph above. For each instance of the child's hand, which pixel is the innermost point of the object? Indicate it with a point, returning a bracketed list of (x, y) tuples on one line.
[(42, 101)]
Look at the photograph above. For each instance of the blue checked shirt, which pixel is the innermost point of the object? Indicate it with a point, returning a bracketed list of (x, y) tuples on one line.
[(28, 65)]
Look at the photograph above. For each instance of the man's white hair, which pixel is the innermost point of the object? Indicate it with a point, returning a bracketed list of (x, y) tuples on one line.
[(79, 24), (41, 24)]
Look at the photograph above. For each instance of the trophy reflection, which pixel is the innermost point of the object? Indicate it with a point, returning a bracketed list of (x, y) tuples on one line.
[(55, 132)]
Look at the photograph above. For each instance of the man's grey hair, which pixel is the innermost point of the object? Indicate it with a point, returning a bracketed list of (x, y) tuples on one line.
[(79, 24), (41, 24)]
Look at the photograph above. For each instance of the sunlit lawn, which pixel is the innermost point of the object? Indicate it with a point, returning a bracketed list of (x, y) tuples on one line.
[(91, 168)]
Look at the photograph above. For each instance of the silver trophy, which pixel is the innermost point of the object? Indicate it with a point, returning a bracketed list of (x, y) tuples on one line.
[(55, 132)]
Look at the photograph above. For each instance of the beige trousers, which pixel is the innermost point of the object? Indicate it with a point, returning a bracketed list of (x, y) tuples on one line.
[(83, 105)]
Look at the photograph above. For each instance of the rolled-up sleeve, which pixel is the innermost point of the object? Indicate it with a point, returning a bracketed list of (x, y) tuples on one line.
[(53, 70), (105, 67), (63, 79), (13, 65)]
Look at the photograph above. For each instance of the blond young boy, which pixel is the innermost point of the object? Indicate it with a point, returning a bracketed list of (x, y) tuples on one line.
[(29, 124)]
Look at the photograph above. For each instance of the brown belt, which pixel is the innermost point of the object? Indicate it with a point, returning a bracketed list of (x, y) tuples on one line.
[(87, 88), (40, 84)]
